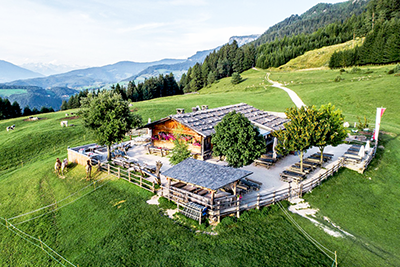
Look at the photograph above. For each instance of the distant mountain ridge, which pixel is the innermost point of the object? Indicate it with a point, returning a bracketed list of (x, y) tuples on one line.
[(94, 76), (10, 72), (242, 40), (180, 68), (48, 69)]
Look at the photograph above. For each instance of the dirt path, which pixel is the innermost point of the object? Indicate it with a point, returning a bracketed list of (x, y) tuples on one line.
[(295, 98)]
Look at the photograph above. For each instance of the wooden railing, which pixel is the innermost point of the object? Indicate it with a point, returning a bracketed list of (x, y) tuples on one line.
[(139, 180)]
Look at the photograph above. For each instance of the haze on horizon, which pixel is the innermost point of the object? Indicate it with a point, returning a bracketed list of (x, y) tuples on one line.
[(99, 32)]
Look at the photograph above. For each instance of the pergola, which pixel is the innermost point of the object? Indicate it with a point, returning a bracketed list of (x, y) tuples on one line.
[(201, 182)]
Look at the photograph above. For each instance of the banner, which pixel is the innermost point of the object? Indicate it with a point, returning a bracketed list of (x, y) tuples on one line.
[(379, 113)]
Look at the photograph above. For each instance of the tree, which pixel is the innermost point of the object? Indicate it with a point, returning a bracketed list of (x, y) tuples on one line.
[(27, 111), (238, 140), (329, 128), (180, 152), (64, 105), (108, 117), (298, 132), (236, 78)]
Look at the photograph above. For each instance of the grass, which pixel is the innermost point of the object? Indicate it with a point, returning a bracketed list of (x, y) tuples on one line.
[(8, 92), (114, 226), (358, 94), (251, 91), (319, 58)]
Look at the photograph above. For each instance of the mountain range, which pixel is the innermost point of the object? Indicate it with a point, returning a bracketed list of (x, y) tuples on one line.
[(10, 72), (97, 77)]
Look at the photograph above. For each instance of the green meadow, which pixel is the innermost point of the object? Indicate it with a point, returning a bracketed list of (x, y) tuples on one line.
[(109, 223)]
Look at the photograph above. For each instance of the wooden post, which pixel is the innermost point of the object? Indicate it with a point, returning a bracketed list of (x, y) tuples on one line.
[(234, 188), (238, 208), (108, 168), (336, 258), (152, 188), (119, 172), (290, 190), (219, 211), (168, 187), (41, 244), (273, 200), (94, 185), (129, 175), (141, 181), (212, 197), (301, 190), (258, 201)]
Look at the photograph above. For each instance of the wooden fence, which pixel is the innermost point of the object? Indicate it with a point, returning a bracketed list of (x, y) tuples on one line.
[(132, 177)]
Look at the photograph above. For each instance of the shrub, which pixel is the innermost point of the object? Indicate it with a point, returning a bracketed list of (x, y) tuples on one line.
[(338, 79)]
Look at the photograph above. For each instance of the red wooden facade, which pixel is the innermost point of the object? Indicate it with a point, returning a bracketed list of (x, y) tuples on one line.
[(164, 133)]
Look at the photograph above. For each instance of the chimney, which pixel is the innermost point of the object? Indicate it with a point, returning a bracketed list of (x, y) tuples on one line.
[(180, 111), (204, 107)]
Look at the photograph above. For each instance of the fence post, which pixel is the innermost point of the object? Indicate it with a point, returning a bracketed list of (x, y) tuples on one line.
[(258, 201), (238, 208), (273, 200), (119, 172), (129, 175), (219, 211), (301, 190), (108, 168), (141, 180), (152, 188)]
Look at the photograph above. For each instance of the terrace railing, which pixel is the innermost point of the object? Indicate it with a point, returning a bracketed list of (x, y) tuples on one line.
[(138, 179)]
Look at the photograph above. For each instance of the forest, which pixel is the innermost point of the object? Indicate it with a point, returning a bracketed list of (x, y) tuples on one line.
[(154, 87)]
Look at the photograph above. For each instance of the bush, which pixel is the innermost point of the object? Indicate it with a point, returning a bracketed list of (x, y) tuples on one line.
[(338, 79), (355, 70)]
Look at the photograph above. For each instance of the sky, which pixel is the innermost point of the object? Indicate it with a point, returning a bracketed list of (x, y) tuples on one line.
[(101, 32)]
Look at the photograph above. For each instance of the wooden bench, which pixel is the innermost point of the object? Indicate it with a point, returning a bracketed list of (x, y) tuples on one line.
[(263, 162)]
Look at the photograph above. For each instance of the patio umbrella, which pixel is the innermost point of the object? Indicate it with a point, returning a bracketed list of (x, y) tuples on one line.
[(273, 148), (367, 146), (361, 153)]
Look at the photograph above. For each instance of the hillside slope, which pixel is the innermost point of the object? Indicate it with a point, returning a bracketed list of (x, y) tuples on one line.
[(316, 17), (319, 57)]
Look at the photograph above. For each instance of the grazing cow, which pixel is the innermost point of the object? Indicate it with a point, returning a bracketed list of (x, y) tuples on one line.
[(64, 123), (66, 114), (8, 128)]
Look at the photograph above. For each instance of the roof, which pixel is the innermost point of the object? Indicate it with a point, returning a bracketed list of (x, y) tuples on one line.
[(207, 175), (204, 121)]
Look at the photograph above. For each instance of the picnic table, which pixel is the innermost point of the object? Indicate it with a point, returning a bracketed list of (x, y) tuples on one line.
[(292, 175), (263, 162)]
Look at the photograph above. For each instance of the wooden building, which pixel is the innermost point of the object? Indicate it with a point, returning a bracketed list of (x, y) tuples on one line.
[(197, 127), (206, 184)]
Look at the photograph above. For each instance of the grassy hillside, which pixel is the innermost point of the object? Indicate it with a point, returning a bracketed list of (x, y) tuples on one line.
[(252, 91), (359, 92), (319, 57), (114, 226)]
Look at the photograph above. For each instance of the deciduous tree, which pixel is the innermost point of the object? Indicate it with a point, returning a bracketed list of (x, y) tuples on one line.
[(238, 140), (108, 116)]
